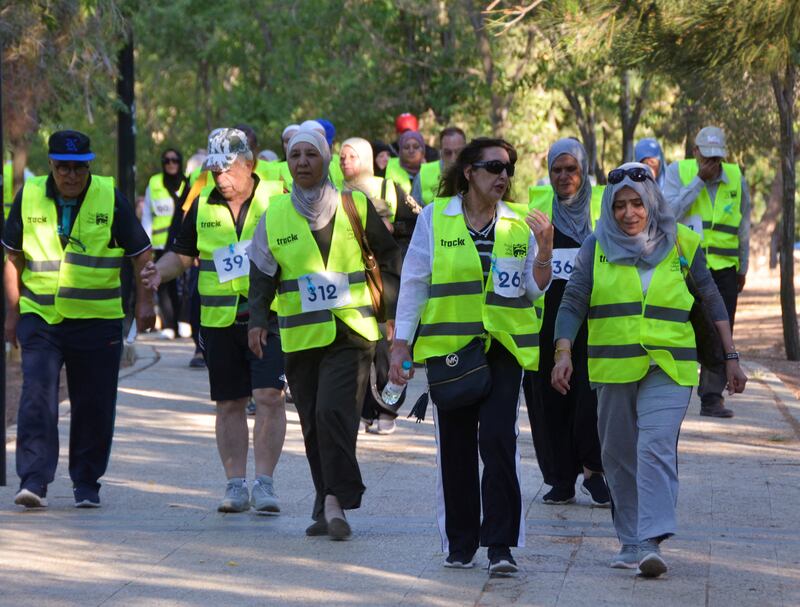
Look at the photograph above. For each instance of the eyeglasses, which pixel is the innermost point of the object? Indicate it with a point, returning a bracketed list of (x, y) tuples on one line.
[(495, 167), (171, 160), (65, 169), (637, 174)]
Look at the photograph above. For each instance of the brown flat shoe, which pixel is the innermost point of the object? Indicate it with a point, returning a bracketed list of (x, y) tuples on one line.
[(317, 528), (339, 529)]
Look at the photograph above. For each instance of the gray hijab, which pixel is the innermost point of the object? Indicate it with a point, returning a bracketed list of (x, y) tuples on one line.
[(648, 248), (573, 215), (318, 204)]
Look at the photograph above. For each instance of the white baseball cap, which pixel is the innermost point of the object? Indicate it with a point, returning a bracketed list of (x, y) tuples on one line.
[(711, 142)]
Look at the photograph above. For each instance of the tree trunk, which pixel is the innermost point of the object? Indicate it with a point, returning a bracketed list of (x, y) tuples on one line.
[(20, 161), (763, 231), (584, 116), (784, 96), (630, 116), (498, 111)]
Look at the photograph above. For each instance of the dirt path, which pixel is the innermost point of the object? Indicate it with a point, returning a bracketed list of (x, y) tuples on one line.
[(759, 330)]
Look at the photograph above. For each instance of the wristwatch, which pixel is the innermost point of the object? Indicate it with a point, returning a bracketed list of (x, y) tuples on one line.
[(731, 356)]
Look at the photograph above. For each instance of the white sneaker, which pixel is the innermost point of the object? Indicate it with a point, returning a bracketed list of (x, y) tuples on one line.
[(184, 329), (29, 499), (383, 425), (167, 334)]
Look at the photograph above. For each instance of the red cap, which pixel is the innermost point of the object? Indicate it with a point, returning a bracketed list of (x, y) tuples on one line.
[(406, 122)]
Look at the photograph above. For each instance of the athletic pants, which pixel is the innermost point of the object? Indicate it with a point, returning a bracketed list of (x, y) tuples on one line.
[(713, 380)]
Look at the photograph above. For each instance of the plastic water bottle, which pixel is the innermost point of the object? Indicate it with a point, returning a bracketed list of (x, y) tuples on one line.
[(392, 392)]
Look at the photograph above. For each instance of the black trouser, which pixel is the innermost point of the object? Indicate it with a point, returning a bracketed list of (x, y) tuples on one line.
[(91, 351), (488, 428), (713, 380), (564, 427), (169, 304), (328, 387)]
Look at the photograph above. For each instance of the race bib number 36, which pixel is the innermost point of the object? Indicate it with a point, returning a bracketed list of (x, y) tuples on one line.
[(164, 207), (323, 291), (564, 263), (231, 261), (507, 276)]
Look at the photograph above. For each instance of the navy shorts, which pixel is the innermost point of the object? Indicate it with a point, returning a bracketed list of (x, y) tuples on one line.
[(233, 370)]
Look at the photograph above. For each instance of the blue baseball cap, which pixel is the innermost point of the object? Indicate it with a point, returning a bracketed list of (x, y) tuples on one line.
[(69, 145)]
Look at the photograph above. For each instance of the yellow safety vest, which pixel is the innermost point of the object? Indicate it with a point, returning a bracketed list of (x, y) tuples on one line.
[(215, 230), (541, 197), (80, 280), (275, 171), (627, 330), (398, 174), (195, 174), (429, 175), (721, 219), (461, 305), (162, 208), (8, 187), (294, 248), (335, 171)]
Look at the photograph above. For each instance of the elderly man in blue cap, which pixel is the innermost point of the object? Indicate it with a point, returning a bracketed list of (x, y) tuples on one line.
[(65, 239)]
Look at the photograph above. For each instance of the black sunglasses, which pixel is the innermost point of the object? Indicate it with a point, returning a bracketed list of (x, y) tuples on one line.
[(637, 174), (171, 160), (495, 166)]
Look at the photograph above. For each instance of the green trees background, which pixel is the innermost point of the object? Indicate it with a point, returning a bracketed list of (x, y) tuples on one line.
[(531, 71)]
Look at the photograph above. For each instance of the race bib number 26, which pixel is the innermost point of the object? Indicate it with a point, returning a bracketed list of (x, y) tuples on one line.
[(507, 276)]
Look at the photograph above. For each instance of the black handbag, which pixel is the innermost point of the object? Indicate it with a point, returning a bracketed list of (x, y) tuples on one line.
[(459, 379), (710, 351)]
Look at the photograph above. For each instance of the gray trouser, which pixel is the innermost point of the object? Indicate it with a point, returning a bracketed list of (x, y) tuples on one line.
[(638, 424)]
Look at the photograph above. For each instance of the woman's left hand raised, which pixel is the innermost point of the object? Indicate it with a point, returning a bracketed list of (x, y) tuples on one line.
[(542, 230)]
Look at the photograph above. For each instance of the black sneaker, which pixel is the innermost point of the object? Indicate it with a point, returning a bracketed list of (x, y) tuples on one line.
[(460, 560), (86, 497), (595, 487), (717, 409), (501, 562), (559, 495)]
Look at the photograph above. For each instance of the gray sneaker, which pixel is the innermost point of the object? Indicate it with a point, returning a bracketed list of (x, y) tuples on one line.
[(651, 564), (263, 498), (236, 499), (628, 557)]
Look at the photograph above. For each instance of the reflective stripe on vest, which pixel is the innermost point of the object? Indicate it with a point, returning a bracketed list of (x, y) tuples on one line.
[(398, 174), (721, 219), (82, 279), (460, 307), (429, 175), (216, 229), (160, 197), (294, 248), (627, 330)]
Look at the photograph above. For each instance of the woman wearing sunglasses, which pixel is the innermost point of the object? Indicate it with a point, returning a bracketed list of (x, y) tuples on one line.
[(472, 272), (161, 215), (629, 279)]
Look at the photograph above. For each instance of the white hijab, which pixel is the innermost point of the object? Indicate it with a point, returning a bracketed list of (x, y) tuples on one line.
[(317, 204)]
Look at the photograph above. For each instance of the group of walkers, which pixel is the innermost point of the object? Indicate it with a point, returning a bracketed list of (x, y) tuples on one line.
[(338, 273)]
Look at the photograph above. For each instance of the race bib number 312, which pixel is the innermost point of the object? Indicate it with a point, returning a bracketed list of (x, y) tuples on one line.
[(323, 291)]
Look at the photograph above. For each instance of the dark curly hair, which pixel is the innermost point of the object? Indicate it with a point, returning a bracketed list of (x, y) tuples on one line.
[(454, 182)]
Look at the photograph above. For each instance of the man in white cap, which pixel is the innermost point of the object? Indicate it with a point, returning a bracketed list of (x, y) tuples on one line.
[(712, 198), (217, 229)]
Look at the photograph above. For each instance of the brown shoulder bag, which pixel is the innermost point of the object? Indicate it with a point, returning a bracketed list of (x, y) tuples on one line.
[(371, 269)]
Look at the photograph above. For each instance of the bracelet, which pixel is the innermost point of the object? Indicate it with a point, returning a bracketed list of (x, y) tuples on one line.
[(731, 356), (542, 264), (558, 350)]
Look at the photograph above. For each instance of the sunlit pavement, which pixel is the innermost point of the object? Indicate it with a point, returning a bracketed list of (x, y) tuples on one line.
[(158, 539)]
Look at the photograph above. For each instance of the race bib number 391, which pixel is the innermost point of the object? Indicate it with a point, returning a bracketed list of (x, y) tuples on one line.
[(564, 263), (232, 261), (323, 291)]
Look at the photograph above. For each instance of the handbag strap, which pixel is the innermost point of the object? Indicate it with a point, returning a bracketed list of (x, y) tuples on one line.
[(349, 206), (686, 270)]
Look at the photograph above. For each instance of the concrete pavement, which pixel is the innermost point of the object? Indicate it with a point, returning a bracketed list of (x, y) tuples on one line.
[(158, 539)]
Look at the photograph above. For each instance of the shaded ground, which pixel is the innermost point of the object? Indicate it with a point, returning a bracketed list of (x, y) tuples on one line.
[(759, 329)]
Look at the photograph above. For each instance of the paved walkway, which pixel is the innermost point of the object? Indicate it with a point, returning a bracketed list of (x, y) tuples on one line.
[(158, 539)]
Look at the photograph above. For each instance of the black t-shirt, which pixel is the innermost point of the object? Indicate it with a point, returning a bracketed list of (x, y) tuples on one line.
[(126, 231), (186, 240)]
